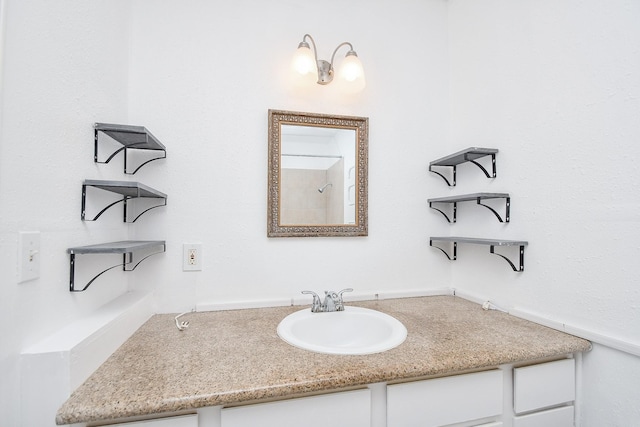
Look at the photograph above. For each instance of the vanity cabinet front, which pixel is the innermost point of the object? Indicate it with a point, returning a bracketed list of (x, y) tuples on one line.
[(543, 385), (539, 395), (177, 421), (447, 400), (543, 396), (539, 387), (558, 417), (343, 409)]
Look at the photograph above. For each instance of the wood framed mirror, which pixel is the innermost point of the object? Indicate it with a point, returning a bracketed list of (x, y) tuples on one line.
[(317, 179)]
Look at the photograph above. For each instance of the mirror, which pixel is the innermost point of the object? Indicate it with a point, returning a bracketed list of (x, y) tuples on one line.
[(317, 183)]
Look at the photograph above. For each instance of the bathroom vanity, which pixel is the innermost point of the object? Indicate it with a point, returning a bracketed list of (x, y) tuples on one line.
[(459, 365)]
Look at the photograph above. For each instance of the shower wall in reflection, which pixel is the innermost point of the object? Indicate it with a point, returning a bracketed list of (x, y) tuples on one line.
[(302, 203)]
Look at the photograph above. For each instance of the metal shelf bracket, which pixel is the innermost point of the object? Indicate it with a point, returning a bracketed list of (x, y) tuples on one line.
[(128, 190), (488, 242), (507, 209), (513, 267), (450, 219), (469, 155), (451, 183), (126, 264), (131, 138), (478, 197), (454, 250)]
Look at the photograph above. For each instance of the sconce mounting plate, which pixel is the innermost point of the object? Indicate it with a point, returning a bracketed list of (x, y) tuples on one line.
[(325, 72)]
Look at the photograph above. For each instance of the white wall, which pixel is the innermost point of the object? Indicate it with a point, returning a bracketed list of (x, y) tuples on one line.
[(64, 66), (204, 76), (555, 85)]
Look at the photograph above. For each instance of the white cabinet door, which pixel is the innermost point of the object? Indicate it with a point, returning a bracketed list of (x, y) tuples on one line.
[(179, 421), (543, 385), (344, 409), (447, 400), (559, 417)]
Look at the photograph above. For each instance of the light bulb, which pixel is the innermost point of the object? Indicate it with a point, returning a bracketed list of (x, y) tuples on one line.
[(304, 61), (352, 73)]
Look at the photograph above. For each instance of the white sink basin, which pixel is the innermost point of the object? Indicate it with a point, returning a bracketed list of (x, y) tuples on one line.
[(355, 330)]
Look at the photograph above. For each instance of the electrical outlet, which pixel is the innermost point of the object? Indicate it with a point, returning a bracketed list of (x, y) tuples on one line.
[(28, 256), (192, 257)]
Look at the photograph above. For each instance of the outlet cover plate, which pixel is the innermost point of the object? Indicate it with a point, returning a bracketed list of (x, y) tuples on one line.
[(192, 257)]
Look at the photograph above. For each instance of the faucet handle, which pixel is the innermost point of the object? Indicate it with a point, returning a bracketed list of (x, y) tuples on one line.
[(343, 291), (315, 305), (339, 302)]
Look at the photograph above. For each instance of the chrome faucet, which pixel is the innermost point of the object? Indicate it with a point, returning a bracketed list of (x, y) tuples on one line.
[(332, 301)]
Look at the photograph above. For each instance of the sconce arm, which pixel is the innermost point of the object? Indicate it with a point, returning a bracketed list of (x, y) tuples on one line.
[(339, 46), (313, 43)]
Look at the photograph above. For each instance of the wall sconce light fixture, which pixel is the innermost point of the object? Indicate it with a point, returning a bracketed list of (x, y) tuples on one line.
[(350, 71)]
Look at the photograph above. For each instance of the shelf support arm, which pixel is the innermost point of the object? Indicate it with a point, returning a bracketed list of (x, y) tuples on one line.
[(127, 259), (147, 210), (451, 183), (507, 209), (138, 263), (455, 250), (83, 211), (95, 149), (493, 165), (517, 269), (72, 272), (164, 156), (455, 209)]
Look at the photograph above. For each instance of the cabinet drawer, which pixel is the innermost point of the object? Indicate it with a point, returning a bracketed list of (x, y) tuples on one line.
[(559, 417), (345, 409), (178, 421), (447, 400), (543, 385)]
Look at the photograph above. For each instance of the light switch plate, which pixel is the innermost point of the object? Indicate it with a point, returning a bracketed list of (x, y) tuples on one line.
[(28, 256)]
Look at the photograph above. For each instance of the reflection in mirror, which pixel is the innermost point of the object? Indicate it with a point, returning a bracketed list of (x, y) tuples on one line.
[(317, 175), (314, 183)]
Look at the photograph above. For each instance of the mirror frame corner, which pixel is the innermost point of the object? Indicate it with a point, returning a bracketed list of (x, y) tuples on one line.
[(361, 126)]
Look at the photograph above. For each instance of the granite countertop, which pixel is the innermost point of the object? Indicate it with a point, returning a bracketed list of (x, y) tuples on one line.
[(227, 357)]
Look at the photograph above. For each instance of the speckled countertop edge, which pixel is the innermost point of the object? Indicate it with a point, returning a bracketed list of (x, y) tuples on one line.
[(229, 357)]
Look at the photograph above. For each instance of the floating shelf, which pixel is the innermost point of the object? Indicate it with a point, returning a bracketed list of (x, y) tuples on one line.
[(131, 137), (478, 197), (492, 243), (128, 189), (469, 155), (127, 248)]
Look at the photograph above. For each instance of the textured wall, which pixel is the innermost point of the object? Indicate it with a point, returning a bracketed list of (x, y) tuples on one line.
[(555, 85), (204, 76), (64, 67)]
